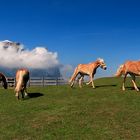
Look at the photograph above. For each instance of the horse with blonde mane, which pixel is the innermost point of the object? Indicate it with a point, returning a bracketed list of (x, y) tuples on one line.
[(87, 69), (22, 77), (4, 81), (132, 68)]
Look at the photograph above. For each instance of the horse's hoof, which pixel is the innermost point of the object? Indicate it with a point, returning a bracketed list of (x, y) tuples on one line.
[(71, 86), (26, 94), (123, 89)]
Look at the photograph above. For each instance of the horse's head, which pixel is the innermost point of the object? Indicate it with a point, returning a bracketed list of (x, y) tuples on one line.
[(120, 70), (4, 81), (5, 85), (102, 63)]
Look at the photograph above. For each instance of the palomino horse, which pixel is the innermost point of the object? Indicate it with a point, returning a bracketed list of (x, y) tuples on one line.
[(87, 69), (132, 68), (4, 81), (22, 77)]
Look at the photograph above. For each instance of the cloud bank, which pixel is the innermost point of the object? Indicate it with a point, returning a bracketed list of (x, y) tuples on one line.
[(13, 55)]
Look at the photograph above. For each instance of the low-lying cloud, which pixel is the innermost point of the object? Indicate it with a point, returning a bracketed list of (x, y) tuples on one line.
[(13, 55)]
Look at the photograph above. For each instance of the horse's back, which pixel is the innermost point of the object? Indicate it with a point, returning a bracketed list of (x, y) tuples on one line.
[(81, 66), (22, 73), (132, 66), (22, 70), (85, 68), (134, 63)]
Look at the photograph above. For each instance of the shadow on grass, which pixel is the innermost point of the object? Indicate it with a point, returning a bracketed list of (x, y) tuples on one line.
[(84, 85), (131, 88), (35, 95), (105, 86)]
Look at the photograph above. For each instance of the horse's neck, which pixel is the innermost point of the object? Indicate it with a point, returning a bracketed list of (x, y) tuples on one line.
[(1, 75), (95, 65)]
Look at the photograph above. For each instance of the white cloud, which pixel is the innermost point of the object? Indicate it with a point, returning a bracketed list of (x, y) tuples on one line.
[(13, 55)]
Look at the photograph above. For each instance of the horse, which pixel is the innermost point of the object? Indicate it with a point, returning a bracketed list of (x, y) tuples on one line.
[(129, 67), (22, 77), (87, 69), (4, 81)]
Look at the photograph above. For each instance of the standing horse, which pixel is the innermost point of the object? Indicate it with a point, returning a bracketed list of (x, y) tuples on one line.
[(4, 81), (87, 69), (22, 77), (132, 68)]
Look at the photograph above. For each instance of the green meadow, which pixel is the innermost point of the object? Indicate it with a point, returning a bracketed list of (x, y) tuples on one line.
[(64, 113)]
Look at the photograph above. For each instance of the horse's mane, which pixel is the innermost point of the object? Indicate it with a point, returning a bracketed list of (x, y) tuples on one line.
[(100, 59)]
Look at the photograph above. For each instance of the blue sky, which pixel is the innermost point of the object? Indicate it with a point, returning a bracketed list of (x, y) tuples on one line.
[(78, 30)]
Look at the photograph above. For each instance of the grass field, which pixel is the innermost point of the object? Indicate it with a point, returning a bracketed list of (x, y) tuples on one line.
[(62, 113)]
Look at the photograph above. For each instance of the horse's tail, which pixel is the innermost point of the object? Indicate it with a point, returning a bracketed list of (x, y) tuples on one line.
[(74, 75), (4, 81), (120, 71)]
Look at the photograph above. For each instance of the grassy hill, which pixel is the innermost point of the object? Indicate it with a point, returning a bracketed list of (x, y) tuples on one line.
[(59, 113)]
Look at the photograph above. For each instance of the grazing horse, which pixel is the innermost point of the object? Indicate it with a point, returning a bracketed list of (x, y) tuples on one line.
[(87, 69), (22, 77), (132, 68), (4, 81)]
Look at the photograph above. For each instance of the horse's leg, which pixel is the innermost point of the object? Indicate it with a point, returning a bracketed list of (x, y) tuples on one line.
[(25, 91), (22, 93), (17, 95), (73, 75), (72, 80), (88, 83), (133, 81), (80, 81), (123, 86), (91, 80), (72, 83), (78, 78)]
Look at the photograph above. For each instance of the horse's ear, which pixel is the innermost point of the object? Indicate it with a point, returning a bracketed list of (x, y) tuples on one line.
[(100, 59)]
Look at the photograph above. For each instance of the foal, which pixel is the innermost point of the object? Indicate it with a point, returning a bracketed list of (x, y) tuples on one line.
[(87, 69)]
